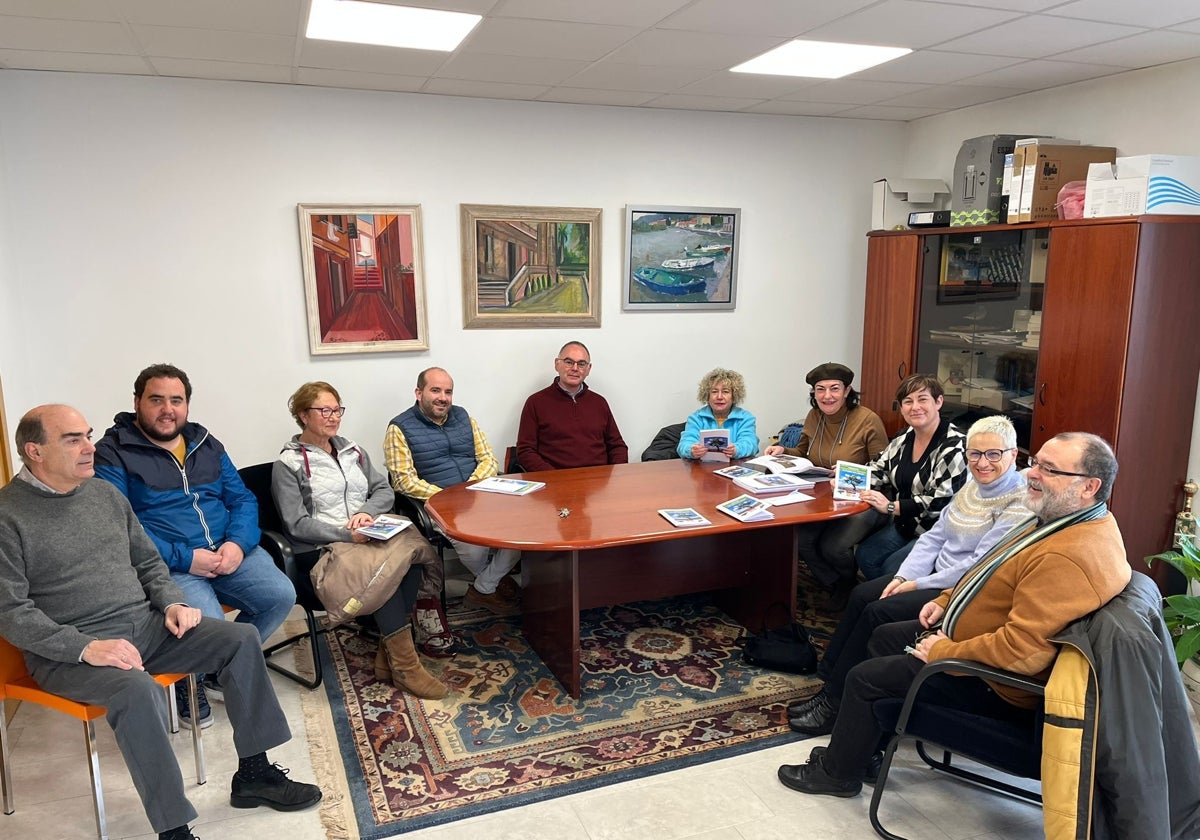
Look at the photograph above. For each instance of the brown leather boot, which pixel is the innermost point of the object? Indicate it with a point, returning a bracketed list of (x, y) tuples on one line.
[(383, 671), (408, 674)]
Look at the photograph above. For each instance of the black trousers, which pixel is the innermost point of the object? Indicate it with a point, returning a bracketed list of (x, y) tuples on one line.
[(864, 613), (890, 673)]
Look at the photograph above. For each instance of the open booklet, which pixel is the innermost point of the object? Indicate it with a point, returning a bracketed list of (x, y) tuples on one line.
[(384, 527), (746, 509), (684, 517), (508, 486), (764, 485), (790, 465), (850, 479), (714, 441), (737, 471)]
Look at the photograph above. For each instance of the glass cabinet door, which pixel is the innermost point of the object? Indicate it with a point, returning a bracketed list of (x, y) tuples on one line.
[(980, 322)]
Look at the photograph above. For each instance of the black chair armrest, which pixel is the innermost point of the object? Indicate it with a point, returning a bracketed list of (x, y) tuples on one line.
[(280, 550), (964, 667), (414, 509)]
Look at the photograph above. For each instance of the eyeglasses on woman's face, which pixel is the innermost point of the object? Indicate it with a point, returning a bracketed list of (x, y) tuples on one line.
[(330, 412), (992, 455)]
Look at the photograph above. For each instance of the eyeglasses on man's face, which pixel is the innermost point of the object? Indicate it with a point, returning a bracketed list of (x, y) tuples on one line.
[(992, 455), (330, 412), (582, 364), (1034, 463)]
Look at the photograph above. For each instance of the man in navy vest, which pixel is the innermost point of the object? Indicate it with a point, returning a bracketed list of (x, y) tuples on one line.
[(436, 444)]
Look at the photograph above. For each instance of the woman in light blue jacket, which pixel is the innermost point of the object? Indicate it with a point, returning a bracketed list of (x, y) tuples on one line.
[(722, 392)]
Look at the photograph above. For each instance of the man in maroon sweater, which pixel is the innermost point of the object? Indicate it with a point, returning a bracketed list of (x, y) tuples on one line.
[(567, 425)]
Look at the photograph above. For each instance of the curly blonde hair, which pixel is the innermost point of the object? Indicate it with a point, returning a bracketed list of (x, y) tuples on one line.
[(730, 377)]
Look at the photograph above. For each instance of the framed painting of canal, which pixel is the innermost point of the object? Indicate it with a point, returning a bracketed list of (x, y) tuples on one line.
[(530, 266), (364, 284), (681, 257)]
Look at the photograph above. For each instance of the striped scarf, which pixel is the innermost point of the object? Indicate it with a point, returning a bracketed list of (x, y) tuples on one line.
[(1017, 540)]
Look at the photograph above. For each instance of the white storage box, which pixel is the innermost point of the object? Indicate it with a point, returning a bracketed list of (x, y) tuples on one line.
[(894, 198), (1133, 186)]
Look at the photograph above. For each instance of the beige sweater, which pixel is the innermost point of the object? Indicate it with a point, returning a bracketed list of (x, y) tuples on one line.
[(826, 443)]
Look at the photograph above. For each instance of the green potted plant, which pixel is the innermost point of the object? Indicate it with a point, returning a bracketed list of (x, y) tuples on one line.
[(1182, 613)]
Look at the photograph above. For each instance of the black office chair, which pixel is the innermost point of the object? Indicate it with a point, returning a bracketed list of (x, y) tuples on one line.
[(257, 479), (1012, 745), (414, 509)]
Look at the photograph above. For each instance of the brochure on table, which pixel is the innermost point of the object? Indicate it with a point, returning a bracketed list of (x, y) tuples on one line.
[(764, 485), (790, 465), (508, 486), (746, 509), (684, 517)]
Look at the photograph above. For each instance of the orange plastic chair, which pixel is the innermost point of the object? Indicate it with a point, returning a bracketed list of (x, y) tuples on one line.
[(16, 684)]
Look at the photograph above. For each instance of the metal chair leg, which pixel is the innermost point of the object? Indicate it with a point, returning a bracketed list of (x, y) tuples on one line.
[(197, 738), (89, 731), (5, 764)]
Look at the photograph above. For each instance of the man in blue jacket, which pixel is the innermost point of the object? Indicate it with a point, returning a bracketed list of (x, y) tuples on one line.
[(192, 503)]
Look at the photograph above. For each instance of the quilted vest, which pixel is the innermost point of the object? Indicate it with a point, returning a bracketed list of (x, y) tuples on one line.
[(443, 455)]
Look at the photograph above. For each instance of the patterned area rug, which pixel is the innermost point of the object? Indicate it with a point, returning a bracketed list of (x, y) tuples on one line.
[(664, 686)]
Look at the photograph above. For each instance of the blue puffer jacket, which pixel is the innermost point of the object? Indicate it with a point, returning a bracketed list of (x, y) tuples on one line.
[(201, 505)]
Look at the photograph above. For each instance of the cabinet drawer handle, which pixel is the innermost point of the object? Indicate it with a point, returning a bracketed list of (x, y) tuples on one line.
[(1042, 394), (900, 371)]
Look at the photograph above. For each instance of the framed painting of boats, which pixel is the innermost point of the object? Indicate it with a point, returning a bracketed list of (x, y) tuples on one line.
[(530, 266), (680, 258), (363, 278)]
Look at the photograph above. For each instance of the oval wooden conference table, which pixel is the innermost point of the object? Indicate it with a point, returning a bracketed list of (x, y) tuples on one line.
[(593, 537)]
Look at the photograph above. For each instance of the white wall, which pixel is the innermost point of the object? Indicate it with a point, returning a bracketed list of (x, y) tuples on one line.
[(1155, 111), (148, 219)]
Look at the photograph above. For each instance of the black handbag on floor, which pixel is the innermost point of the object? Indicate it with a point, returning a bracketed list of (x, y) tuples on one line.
[(785, 648)]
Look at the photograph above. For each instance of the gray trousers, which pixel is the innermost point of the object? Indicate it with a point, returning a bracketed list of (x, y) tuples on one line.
[(136, 704)]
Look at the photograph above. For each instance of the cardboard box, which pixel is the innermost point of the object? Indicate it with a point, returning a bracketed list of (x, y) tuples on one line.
[(1143, 184), (894, 198), (988, 398), (1013, 207), (1047, 168)]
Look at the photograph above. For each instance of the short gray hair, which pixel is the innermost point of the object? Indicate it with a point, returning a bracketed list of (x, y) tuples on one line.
[(995, 424), (1098, 460)]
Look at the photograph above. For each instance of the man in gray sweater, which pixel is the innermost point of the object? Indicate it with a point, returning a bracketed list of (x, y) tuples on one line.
[(86, 597)]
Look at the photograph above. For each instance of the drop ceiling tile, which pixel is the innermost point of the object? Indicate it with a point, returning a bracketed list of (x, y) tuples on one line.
[(27, 33), (1154, 14), (693, 49), (753, 85), (586, 96), (702, 103), (358, 81), (1190, 26), (483, 90), (250, 47), (1038, 36), (367, 58), (888, 112), (272, 17), (781, 18), (953, 96), (546, 38), (470, 7), (230, 70), (796, 109), (855, 92), (509, 69), (1145, 50), (75, 62), (1041, 74), (641, 13), (61, 9), (907, 23), (614, 75), (934, 67)]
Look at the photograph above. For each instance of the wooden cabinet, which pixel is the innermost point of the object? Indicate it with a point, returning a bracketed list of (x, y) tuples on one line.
[(1119, 349)]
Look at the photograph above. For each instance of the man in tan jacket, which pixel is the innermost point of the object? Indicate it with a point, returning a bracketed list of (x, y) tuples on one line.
[(1063, 563)]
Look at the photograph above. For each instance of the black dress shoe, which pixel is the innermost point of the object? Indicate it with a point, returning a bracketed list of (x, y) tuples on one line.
[(802, 707), (812, 778), (870, 774), (273, 789), (819, 719)]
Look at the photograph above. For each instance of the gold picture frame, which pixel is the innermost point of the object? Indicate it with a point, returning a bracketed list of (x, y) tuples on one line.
[(530, 267), (364, 281)]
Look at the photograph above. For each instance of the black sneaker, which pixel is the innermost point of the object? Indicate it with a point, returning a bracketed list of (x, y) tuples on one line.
[(212, 688), (181, 833), (185, 710), (275, 790)]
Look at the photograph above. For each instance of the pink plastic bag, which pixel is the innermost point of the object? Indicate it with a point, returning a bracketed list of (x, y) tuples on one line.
[(1070, 200)]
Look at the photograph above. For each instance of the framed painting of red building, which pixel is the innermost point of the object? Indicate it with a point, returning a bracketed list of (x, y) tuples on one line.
[(364, 283), (530, 266)]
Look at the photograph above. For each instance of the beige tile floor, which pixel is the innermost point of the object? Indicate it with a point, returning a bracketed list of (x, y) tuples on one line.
[(735, 799)]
